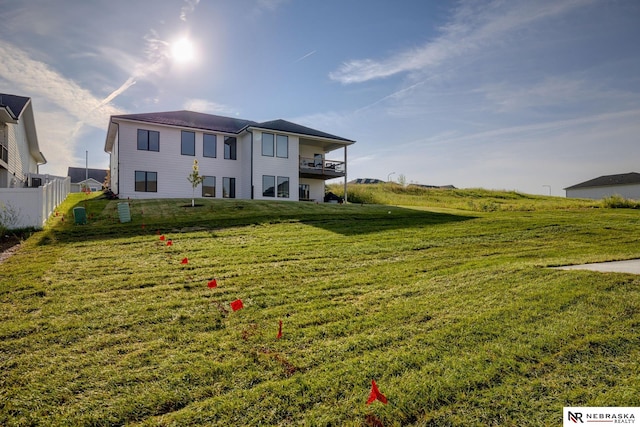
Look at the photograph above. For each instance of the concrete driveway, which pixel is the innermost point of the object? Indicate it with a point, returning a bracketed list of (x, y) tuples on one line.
[(630, 266)]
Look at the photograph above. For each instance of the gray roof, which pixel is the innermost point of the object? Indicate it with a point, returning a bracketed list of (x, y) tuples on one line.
[(14, 103), (191, 119), (609, 180), (79, 174), (289, 127), (212, 122)]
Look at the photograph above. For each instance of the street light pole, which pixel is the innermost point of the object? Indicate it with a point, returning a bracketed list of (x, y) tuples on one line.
[(549, 188), (389, 176)]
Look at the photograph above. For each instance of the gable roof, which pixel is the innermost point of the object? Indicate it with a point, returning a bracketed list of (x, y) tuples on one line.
[(14, 108), (11, 107), (609, 180), (14, 104), (289, 127), (215, 123), (191, 119), (80, 174)]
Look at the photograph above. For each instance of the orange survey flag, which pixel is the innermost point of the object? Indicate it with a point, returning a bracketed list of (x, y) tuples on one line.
[(279, 331), (375, 394), (236, 305)]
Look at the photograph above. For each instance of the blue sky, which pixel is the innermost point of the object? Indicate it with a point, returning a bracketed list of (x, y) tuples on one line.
[(524, 95)]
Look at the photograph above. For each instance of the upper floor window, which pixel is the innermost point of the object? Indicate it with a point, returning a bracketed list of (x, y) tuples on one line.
[(148, 140), (188, 143), (230, 147), (282, 146), (209, 145), (267, 144), (4, 145)]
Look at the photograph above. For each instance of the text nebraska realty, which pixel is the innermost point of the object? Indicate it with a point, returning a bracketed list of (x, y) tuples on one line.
[(595, 417)]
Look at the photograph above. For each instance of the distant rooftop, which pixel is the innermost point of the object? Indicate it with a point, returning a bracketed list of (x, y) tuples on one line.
[(609, 180)]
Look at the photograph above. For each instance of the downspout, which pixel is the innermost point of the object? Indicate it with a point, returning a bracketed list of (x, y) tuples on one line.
[(251, 178)]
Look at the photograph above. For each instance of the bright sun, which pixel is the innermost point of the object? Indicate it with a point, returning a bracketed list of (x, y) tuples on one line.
[(183, 50)]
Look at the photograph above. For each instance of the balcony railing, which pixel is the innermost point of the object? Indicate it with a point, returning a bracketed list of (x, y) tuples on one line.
[(320, 168)]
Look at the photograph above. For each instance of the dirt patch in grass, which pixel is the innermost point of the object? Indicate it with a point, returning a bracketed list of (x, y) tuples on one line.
[(9, 244)]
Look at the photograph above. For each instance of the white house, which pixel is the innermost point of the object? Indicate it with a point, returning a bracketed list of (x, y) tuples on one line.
[(20, 154), (151, 155), (626, 185), (86, 179), (27, 198)]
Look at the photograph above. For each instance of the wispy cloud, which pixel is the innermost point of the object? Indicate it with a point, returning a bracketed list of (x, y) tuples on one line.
[(189, 7), (61, 106), (305, 56), (270, 4), (205, 106), (474, 25)]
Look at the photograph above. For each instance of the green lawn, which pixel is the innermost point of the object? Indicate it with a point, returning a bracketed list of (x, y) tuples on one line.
[(452, 312)]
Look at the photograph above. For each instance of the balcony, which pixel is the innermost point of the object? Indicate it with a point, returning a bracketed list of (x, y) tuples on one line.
[(321, 169)]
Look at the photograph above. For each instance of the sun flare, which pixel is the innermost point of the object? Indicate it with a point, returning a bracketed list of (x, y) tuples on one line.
[(183, 50)]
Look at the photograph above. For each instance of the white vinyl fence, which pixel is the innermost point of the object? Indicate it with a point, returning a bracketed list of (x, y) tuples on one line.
[(31, 207)]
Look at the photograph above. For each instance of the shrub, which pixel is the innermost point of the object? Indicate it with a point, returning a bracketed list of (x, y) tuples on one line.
[(617, 201)]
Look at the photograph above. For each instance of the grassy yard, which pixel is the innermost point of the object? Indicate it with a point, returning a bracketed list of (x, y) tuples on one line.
[(452, 312)]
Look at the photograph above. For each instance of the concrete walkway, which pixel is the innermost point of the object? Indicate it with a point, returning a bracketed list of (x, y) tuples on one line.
[(630, 266)]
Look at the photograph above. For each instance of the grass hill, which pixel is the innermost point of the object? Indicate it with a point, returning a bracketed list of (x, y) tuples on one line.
[(447, 304)]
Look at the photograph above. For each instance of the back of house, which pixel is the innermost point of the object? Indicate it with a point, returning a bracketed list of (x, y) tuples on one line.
[(151, 155)]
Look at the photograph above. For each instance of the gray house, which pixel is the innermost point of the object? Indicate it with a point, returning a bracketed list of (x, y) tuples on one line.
[(626, 185)]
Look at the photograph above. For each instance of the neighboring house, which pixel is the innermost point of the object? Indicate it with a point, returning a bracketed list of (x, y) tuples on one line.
[(20, 154), (626, 185), (152, 154), (83, 179), (366, 181), (27, 199)]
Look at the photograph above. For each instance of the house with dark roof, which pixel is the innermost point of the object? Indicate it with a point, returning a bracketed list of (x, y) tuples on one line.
[(20, 153), (83, 179), (626, 185), (151, 155)]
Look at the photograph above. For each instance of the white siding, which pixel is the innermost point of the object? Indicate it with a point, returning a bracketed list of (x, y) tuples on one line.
[(275, 166), (631, 191), (316, 189), (171, 166), (19, 161), (114, 166)]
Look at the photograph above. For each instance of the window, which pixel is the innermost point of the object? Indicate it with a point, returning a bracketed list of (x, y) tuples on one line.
[(209, 186), (209, 143), (229, 188), (267, 144), (230, 147), (148, 140), (4, 145), (268, 186), (303, 191), (283, 186), (282, 146), (188, 145), (146, 181)]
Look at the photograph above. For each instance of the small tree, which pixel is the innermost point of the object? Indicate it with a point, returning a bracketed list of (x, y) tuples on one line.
[(195, 179)]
